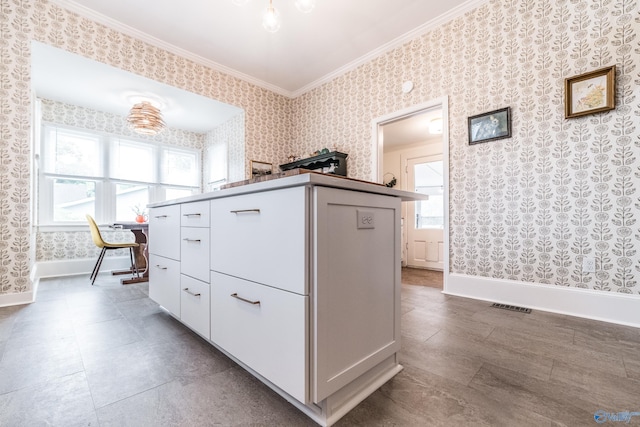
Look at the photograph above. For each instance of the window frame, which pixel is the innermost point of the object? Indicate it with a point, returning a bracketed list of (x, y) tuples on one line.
[(106, 184)]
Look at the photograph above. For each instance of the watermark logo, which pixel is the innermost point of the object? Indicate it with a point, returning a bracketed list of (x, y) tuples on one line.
[(602, 417)]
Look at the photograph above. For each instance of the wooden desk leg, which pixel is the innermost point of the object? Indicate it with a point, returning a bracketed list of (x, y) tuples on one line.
[(141, 257)]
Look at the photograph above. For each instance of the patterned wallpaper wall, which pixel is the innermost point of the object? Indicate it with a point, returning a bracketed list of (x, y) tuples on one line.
[(231, 134), (530, 207), (267, 114), (60, 245), (527, 208)]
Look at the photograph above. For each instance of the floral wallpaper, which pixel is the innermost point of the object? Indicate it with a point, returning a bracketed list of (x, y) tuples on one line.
[(526, 208), (267, 114), (531, 207), (231, 135)]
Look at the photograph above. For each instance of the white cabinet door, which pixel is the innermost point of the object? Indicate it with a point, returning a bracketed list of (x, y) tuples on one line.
[(164, 231), (356, 286), (164, 283), (195, 214), (263, 327), (194, 253), (194, 305), (262, 237)]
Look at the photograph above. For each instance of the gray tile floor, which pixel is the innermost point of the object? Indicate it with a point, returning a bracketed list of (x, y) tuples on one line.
[(108, 356)]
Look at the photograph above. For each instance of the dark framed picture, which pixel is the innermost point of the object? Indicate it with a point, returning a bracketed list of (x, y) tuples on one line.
[(260, 168), (490, 126), (590, 92)]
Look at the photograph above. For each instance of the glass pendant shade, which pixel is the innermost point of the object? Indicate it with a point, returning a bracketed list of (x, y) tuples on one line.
[(271, 19), (305, 6)]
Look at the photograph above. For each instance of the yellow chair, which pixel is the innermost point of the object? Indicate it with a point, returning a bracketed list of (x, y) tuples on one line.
[(105, 246)]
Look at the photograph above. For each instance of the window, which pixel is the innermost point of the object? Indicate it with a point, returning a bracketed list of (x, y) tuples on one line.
[(88, 173), (429, 180)]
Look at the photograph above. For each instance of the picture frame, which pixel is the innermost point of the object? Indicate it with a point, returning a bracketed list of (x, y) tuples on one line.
[(259, 169), (590, 93), (490, 126)]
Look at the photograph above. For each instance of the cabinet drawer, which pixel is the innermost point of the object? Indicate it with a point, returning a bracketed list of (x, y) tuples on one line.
[(264, 328), (261, 237), (164, 231), (195, 214), (194, 305), (164, 283), (194, 252)]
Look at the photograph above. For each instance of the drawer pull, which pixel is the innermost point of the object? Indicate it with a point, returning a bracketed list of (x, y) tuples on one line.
[(161, 216), (160, 267), (193, 214), (241, 211), (192, 240), (191, 293), (245, 300)]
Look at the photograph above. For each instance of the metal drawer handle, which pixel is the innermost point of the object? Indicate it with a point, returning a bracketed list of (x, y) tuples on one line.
[(160, 267), (161, 216), (191, 240), (190, 293), (193, 214), (245, 300), (245, 211)]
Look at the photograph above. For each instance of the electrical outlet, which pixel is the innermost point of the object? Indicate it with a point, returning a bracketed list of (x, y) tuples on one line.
[(366, 219), (588, 265)]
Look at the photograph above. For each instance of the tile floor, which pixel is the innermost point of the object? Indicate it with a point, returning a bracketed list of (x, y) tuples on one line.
[(108, 356)]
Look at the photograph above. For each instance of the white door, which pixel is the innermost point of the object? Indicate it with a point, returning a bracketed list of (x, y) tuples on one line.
[(425, 218)]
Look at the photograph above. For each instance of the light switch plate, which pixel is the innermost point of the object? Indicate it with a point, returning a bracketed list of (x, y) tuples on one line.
[(366, 219)]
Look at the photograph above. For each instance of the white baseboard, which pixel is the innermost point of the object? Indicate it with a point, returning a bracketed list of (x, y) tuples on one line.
[(17, 298), (72, 267), (610, 307)]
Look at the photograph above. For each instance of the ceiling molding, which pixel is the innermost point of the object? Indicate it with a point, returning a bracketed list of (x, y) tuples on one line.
[(85, 12), (393, 44)]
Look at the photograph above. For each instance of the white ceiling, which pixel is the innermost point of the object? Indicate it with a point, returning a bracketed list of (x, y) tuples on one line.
[(410, 130), (308, 50), (62, 76)]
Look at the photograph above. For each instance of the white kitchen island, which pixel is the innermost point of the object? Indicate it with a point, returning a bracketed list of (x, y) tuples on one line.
[(297, 279)]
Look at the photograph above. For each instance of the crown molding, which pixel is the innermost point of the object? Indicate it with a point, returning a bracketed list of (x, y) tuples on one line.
[(85, 12), (393, 44)]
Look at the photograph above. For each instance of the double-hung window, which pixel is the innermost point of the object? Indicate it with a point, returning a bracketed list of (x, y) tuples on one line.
[(84, 172)]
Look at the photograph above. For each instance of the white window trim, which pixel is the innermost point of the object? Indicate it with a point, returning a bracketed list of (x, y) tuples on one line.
[(105, 208)]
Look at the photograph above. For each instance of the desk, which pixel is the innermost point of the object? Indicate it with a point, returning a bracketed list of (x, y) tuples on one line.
[(141, 254)]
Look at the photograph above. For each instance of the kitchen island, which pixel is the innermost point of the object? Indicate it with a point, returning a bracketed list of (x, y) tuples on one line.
[(297, 279)]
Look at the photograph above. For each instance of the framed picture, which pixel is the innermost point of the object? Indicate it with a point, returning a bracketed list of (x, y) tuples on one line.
[(590, 93), (260, 168), (490, 126)]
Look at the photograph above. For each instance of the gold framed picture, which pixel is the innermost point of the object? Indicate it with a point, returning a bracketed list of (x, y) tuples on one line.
[(590, 93), (260, 168)]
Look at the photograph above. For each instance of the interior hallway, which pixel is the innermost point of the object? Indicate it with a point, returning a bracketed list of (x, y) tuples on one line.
[(107, 355)]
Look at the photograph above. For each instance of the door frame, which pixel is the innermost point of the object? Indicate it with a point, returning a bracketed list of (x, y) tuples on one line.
[(377, 156)]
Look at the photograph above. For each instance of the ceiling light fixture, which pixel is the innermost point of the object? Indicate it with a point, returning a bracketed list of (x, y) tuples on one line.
[(271, 19), (435, 126), (145, 118)]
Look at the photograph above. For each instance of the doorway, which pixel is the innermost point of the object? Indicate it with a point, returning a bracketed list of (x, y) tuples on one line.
[(411, 148)]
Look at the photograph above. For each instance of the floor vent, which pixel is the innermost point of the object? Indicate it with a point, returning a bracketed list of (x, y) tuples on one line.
[(511, 307)]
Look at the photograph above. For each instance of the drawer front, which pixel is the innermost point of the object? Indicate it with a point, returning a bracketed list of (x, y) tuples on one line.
[(262, 237), (195, 214), (194, 252), (194, 305), (164, 283), (164, 231), (268, 336)]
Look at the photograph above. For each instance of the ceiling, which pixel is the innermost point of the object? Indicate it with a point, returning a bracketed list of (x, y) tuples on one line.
[(308, 50), (410, 130), (65, 77)]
